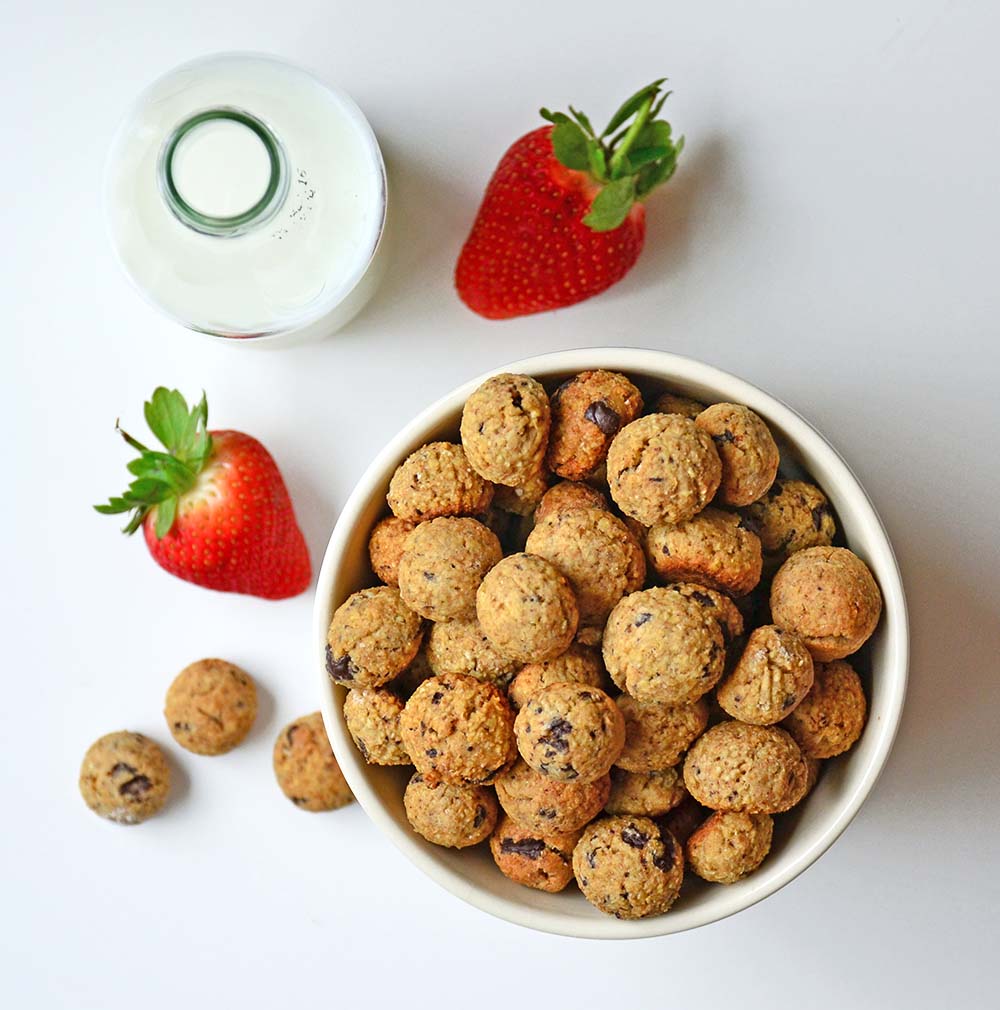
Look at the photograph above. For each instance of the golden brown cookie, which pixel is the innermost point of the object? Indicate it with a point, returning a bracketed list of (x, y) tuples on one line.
[(437, 480), (372, 716), (792, 516), (657, 734), (568, 495), (720, 606), (405, 683), (747, 449), (524, 499), (579, 664), (544, 862), (545, 805), (385, 547), (306, 769), (831, 717), (729, 845), (452, 816), (645, 794), (124, 778), (462, 647), (684, 819), (211, 706), (672, 403)]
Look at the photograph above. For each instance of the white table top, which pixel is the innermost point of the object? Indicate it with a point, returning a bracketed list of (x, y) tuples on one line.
[(831, 236)]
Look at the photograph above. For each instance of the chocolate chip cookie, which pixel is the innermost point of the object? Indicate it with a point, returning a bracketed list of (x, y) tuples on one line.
[(385, 548), (306, 769), (729, 845), (792, 516), (542, 861), (645, 794), (568, 495), (437, 480), (452, 816), (124, 778), (579, 664), (544, 805), (747, 449), (658, 734), (832, 715), (211, 706), (462, 647), (372, 716)]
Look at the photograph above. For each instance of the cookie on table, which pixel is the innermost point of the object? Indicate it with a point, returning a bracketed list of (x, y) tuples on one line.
[(598, 555), (628, 866), (645, 794), (720, 606), (829, 597), (527, 609), (756, 769), (385, 547), (658, 734), (211, 706), (372, 716), (792, 516), (747, 449), (662, 646), (306, 769), (124, 778), (437, 480), (461, 647), (712, 548), (453, 816), (459, 730), (729, 845), (545, 805), (505, 428), (663, 468), (523, 499), (442, 565), (570, 732), (579, 664), (832, 715), (673, 403), (542, 861), (587, 412), (568, 495)]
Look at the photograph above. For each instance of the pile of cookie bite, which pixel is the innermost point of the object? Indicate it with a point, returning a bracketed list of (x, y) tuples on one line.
[(610, 640)]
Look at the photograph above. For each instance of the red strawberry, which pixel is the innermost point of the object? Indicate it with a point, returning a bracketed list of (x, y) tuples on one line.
[(213, 507), (561, 219)]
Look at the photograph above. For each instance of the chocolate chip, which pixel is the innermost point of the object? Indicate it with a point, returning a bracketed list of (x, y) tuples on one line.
[(547, 812), (665, 551), (517, 400), (431, 752), (592, 859), (530, 848), (300, 801), (607, 419), (183, 727), (642, 618), (340, 669), (136, 787), (430, 576), (436, 697), (775, 489), (789, 701), (749, 523), (703, 598), (669, 857), (480, 816), (726, 436), (121, 768), (555, 738), (818, 513), (632, 836)]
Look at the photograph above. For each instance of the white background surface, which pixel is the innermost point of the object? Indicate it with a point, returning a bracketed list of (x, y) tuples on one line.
[(830, 235)]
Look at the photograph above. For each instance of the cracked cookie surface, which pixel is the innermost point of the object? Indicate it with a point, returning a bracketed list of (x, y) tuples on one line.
[(211, 706)]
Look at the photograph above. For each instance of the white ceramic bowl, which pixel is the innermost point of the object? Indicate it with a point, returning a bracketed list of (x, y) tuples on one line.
[(801, 836)]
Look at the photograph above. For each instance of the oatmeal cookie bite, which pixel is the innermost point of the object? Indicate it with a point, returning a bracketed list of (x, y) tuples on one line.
[(828, 596), (505, 429), (306, 769), (712, 548), (663, 468), (568, 495), (442, 565), (587, 412), (628, 867), (598, 555), (831, 717), (523, 499), (645, 794), (792, 516), (756, 769), (729, 845), (545, 805), (385, 548), (527, 609), (658, 734), (124, 778), (373, 637), (462, 647), (542, 861), (720, 606), (458, 730), (771, 677), (747, 449), (672, 403), (452, 816), (372, 717), (570, 732), (437, 480), (579, 664), (662, 646), (211, 706)]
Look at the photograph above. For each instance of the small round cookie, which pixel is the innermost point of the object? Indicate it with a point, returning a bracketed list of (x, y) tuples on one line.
[(453, 816), (524, 499), (684, 819), (372, 717), (672, 403), (462, 647), (828, 596), (211, 706), (770, 678), (628, 866), (579, 664), (544, 862), (124, 778), (747, 449), (720, 606), (527, 609), (405, 683), (442, 565), (568, 495), (832, 715), (545, 805), (587, 412), (713, 548), (657, 734), (385, 547), (373, 637), (570, 732), (662, 646), (729, 845), (437, 480), (505, 429), (792, 516), (599, 556), (645, 794), (663, 468), (306, 769), (459, 730), (757, 769)]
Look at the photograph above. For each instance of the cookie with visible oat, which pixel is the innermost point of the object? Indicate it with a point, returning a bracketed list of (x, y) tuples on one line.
[(306, 769), (792, 516), (462, 647), (729, 846), (568, 495), (437, 480), (385, 547), (747, 449), (372, 716), (211, 706), (545, 805), (452, 816), (579, 664), (645, 794), (658, 734), (542, 861), (832, 715), (125, 778)]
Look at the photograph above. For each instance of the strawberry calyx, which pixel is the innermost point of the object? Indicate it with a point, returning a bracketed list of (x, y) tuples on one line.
[(162, 478), (634, 154)]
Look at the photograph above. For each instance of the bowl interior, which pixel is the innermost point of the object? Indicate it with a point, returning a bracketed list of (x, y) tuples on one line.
[(800, 836)]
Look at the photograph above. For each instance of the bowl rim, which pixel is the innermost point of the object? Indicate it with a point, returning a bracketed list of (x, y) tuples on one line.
[(801, 433)]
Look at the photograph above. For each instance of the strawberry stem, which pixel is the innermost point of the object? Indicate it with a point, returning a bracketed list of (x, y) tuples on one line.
[(621, 149)]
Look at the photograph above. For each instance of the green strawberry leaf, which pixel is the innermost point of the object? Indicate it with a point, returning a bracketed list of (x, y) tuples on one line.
[(654, 134), (166, 512), (570, 145), (598, 161), (632, 105), (583, 121), (644, 155), (554, 117), (611, 205)]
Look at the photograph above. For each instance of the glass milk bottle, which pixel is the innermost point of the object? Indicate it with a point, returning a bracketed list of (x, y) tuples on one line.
[(247, 200)]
